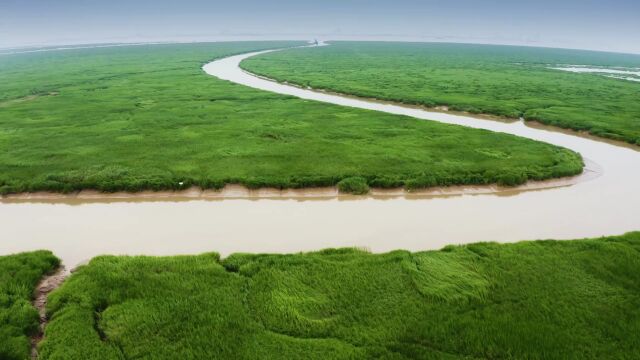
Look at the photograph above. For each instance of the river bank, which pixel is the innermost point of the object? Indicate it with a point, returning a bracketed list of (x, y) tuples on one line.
[(78, 230)]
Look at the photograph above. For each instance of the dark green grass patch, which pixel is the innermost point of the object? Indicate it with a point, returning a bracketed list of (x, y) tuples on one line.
[(506, 81), (354, 185), (148, 118), (19, 275), (536, 300)]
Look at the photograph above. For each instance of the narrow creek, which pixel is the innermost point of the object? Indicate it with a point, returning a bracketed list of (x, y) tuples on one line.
[(601, 202)]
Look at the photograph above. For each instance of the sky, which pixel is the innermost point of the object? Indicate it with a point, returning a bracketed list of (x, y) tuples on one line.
[(609, 25)]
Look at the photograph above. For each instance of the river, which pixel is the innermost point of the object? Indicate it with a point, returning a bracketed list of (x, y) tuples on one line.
[(601, 202)]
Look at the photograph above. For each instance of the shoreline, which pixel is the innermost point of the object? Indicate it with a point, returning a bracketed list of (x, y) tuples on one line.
[(590, 172)]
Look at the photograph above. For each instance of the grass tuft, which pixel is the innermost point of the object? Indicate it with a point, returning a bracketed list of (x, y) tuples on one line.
[(354, 185)]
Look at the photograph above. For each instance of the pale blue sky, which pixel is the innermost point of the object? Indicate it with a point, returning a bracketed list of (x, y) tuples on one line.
[(611, 25)]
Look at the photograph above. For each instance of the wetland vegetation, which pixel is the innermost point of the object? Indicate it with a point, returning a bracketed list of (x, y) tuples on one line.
[(506, 81), (107, 148), (147, 117), (536, 299), (19, 275)]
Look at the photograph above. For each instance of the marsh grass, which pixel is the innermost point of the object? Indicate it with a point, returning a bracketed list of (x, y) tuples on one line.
[(506, 81), (354, 185), (148, 118), (534, 300), (19, 275)]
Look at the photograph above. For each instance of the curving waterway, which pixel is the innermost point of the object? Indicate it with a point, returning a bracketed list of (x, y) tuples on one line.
[(603, 201)]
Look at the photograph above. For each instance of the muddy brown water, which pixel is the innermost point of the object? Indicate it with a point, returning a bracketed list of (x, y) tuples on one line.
[(76, 228)]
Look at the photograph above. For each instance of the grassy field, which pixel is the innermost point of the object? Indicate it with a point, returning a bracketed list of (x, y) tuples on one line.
[(545, 299), (148, 118), (500, 80), (19, 275)]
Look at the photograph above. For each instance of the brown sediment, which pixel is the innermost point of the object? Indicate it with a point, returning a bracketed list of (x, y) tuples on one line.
[(44, 288), (234, 191)]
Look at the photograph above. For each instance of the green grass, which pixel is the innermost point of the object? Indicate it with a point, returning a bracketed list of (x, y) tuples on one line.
[(354, 185), (544, 299), (500, 80), (148, 118), (19, 275)]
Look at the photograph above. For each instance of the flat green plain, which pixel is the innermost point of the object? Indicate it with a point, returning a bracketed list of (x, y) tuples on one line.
[(530, 300), (148, 118), (506, 81), (19, 275)]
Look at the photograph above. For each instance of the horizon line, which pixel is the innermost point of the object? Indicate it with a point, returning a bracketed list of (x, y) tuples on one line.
[(105, 44)]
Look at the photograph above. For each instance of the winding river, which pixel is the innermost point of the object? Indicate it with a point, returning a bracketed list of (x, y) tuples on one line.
[(603, 201)]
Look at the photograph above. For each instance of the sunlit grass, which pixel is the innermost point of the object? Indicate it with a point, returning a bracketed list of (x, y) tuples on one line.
[(148, 118), (501, 80), (19, 275), (545, 299)]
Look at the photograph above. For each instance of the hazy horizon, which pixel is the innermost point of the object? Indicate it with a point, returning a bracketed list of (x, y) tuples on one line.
[(589, 25)]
